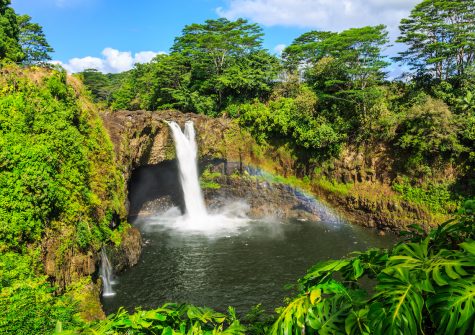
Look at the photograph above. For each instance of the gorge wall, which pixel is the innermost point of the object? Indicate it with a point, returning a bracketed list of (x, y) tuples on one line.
[(143, 138)]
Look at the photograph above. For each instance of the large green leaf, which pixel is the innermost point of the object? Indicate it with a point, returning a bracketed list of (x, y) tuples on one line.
[(397, 308), (452, 307), (323, 271), (292, 318), (449, 265), (328, 316), (356, 322)]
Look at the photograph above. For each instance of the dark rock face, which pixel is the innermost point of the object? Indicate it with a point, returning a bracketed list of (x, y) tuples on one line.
[(143, 138), (154, 189), (263, 198), (127, 254), (68, 265)]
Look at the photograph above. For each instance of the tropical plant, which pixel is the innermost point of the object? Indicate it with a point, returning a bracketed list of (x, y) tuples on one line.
[(170, 319), (423, 285)]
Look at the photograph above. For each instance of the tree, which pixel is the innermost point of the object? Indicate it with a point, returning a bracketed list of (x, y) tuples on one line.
[(306, 49), (216, 41), (357, 51), (10, 49), (428, 135), (441, 38), (344, 69), (33, 41), (226, 59)]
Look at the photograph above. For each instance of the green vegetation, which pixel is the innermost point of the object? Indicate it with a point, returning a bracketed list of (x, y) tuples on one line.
[(441, 38), (329, 91), (437, 198), (61, 194), (54, 158), (211, 66), (21, 41), (28, 303), (167, 320), (208, 179), (58, 186), (423, 285)]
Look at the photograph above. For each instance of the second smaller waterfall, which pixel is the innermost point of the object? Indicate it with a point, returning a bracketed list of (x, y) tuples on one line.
[(106, 275)]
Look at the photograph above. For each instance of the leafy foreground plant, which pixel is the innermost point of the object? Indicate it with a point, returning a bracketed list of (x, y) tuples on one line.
[(170, 319), (425, 285)]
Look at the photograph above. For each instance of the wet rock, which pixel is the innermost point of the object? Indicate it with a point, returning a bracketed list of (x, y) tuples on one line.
[(143, 138), (264, 199), (127, 254), (66, 264)]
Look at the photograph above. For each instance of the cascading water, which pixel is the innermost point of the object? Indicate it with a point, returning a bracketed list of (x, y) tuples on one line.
[(196, 217), (186, 152), (106, 275)]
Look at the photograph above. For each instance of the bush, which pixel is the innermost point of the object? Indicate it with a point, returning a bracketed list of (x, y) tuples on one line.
[(436, 197), (28, 304), (291, 119), (422, 285), (55, 162), (428, 135)]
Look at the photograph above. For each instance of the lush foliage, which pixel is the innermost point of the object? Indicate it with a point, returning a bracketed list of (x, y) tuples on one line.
[(21, 41), (28, 304), (58, 185), (441, 38), (210, 66), (329, 91), (53, 153), (166, 320), (36, 48), (423, 285), (285, 118)]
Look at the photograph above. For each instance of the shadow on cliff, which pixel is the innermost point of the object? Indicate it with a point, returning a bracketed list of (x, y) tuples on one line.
[(152, 182)]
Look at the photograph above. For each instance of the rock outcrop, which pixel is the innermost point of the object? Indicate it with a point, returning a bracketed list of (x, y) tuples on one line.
[(143, 138), (265, 200), (126, 254)]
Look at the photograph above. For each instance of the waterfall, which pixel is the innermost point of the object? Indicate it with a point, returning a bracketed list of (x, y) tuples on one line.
[(186, 152), (106, 275), (196, 219)]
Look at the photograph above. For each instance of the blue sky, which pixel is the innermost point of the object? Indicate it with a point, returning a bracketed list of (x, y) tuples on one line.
[(113, 35)]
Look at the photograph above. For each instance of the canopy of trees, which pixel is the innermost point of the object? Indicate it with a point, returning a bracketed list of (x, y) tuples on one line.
[(21, 41), (210, 66), (441, 38)]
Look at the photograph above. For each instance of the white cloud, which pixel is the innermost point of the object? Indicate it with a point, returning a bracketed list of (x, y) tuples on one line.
[(113, 61), (334, 15), (146, 56), (279, 48)]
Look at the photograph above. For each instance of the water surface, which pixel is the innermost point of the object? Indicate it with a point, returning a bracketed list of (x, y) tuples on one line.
[(241, 268)]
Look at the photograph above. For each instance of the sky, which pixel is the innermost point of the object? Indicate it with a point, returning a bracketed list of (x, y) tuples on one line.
[(112, 36)]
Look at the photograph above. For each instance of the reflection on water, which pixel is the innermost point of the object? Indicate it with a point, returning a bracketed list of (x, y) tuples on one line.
[(240, 268)]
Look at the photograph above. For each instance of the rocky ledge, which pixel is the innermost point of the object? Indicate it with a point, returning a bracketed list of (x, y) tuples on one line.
[(265, 200), (143, 138)]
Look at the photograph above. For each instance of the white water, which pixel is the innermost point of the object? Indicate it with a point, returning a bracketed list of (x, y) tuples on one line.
[(186, 152), (106, 275), (196, 217)]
